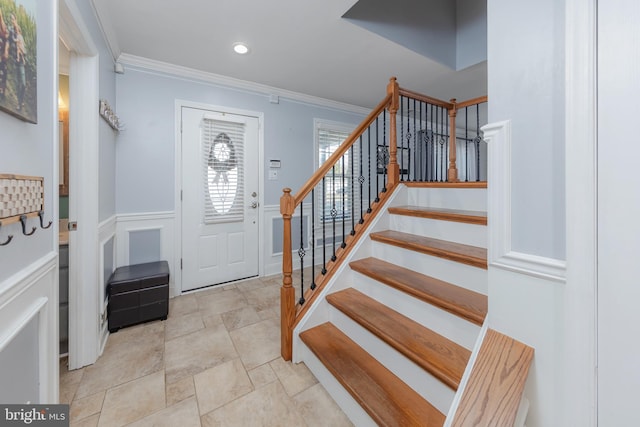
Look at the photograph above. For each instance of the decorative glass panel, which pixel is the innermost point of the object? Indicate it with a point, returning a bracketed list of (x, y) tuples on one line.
[(223, 161)]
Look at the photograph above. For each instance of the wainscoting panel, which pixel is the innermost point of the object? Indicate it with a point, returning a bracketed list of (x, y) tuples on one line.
[(107, 261), (148, 237), (29, 319)]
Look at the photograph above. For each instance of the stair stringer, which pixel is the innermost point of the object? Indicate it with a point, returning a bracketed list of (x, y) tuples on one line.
[(343, 277)]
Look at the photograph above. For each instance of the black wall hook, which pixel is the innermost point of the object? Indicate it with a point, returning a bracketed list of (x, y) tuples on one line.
[(41, 215), (9, 238), (23, 221)]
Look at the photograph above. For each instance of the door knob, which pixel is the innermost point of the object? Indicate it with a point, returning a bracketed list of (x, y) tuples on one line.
[(254, 205)]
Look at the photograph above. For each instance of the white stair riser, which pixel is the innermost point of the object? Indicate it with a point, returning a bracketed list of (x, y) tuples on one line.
[(348, 404), (468, 234), (440, 321), (462, 275), (471, 199), (425, 384)]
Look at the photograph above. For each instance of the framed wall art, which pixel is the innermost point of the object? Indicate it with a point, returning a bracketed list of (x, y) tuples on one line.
[(18, 59)]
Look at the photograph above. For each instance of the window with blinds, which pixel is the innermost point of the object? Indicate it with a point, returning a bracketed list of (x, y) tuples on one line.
[(341, 183), (222, 166)]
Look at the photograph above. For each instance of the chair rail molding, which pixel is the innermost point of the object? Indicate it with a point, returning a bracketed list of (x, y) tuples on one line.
[(498, 138)]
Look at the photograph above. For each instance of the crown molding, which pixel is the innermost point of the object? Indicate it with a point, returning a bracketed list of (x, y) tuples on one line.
[(103, 17), (217, 79)]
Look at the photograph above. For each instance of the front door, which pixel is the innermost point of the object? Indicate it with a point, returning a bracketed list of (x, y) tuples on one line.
[(219, 197)]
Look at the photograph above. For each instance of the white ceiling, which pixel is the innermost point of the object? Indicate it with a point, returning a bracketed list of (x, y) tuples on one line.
[(298, 45)]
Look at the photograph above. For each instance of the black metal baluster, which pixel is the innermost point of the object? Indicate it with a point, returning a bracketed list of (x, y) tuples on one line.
[(401, 134), (377, 199), (421, 142), (361, 181), (466, 141), (477, 141), (353, 193), (324, 227), (403, 166), (370, 186), (384, 139), (334, 211), (343, 244), (415, 138), (313, 239), (433, 156), (447, 145), (301, 254)]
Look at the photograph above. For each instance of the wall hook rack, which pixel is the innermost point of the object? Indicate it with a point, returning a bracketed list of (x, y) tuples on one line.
[(41, 215), (21, 198), (23, 221)]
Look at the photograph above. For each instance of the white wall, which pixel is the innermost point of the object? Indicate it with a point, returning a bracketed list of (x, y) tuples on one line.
[(30, 300), (618, 211), (526, 85)]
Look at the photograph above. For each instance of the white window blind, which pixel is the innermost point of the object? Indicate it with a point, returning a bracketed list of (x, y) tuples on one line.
[(342, 180), (222, 166)]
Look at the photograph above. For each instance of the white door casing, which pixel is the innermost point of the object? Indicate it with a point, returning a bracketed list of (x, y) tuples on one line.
[(220, 197)]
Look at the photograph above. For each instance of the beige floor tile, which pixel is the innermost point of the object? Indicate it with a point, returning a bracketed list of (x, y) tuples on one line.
[(295, 377), (183, 304), (183, 414), (258, 343), (221, 302), (268, 406), (262, 375), (248, 285), (319, 410), (265, 297), (267, 313), (220, 385), (239, 318), (180, 390), (196, 352), (183, 325), (213, 322), (91, 421), (133, 401), (87, 406), (129, 354)]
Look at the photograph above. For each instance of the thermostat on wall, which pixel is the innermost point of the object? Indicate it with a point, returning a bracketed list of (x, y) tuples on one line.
[(274, 163)]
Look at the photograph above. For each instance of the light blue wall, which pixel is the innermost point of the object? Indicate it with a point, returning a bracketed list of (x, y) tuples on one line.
[(526, 85), (471, 32), (27, 149), (145, 156), (107, 149)]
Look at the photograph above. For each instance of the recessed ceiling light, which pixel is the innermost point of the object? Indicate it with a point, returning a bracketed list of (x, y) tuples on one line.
[(240, 48)]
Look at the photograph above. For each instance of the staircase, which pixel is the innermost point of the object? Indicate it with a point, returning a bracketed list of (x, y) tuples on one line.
[(392, 339)]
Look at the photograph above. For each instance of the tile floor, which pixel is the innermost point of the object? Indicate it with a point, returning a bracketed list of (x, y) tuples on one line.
[(214, 362)]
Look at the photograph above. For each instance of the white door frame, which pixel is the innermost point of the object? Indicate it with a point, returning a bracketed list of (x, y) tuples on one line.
[(579, 368), (178, 176), (83, 172)]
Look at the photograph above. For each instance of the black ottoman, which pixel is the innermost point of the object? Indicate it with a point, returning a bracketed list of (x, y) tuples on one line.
[(138, 293)]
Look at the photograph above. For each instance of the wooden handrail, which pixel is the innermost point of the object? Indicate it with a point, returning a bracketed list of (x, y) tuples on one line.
[(346, 145), (474, 101), (425, 98)]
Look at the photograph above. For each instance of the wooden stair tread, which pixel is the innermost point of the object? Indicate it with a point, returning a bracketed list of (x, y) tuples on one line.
[(388, 400), (457, 215), (492, 395), (442, 358), (462, 302), (465, 254)]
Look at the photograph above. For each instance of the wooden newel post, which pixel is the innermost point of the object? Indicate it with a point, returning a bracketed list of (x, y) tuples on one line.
[(452, 172), (393, 169), (287, 293)]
